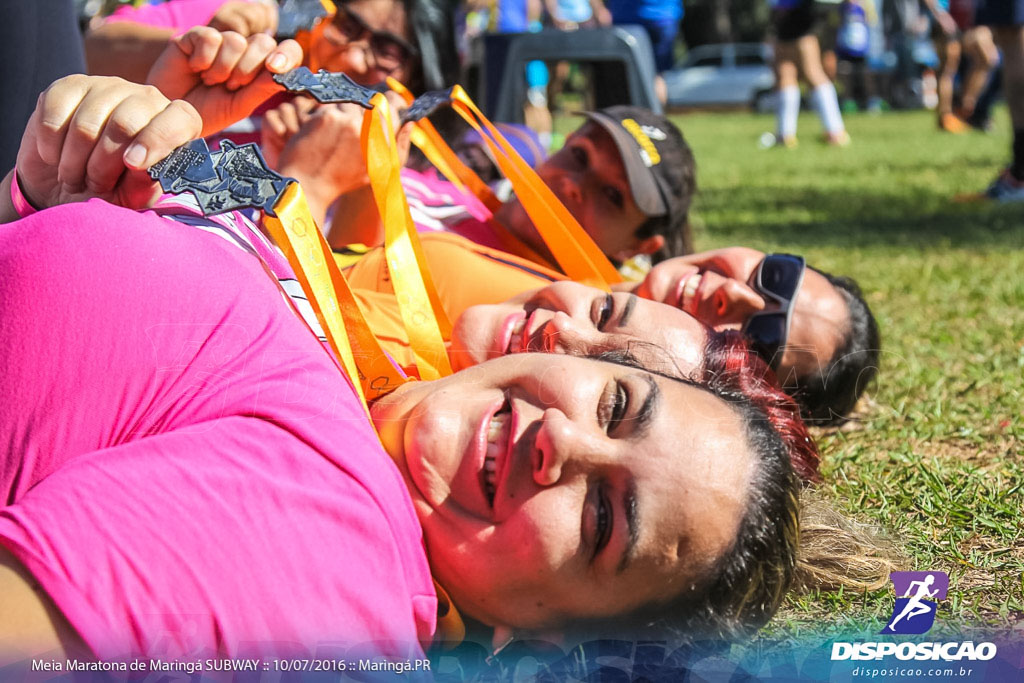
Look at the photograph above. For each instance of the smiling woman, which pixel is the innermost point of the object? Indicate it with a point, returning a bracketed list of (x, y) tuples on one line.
[(565, 492), (567, 317), (825, 346)]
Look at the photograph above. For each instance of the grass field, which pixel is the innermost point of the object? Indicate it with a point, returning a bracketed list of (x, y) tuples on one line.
[(937, 457)]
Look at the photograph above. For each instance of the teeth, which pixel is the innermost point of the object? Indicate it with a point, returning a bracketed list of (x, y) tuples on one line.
[(690, 288), (497, 441), (516, 336), (496, 426)]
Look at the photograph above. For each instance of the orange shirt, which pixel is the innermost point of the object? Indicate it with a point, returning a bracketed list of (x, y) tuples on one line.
[(465, 273)]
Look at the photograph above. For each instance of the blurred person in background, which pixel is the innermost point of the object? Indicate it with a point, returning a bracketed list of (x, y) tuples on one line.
[(954, 33), (983, 57), (1006, 19), (660, 18), (798, 53), (857, 21)]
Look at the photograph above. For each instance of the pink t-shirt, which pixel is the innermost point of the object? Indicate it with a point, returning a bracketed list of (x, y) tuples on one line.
[(436, 205), (187, 473)]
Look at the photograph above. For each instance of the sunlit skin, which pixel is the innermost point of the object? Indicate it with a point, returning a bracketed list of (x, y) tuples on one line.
[(334, 52), (612, 488), (716, 288), (567, 317), (587, 176)]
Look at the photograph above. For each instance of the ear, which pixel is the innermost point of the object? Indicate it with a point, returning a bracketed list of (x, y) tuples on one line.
[(647, 245)]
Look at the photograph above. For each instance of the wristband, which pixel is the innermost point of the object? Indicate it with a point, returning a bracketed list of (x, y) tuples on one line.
[(21, 204)]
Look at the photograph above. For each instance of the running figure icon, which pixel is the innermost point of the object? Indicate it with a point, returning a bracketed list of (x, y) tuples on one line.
[(915, 605)]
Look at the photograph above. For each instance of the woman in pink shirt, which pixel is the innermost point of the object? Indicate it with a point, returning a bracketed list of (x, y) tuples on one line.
[(188, 473)]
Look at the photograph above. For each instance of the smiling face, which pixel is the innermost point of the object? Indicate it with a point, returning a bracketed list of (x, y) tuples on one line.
[(587, 176), (716, 287), (570, 318), (343, 49), (553, 488)]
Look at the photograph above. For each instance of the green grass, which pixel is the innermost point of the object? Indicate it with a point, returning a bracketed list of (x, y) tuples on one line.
[(936, 460)]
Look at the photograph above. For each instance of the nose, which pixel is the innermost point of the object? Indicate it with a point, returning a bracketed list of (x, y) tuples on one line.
[(664, 282), (359, 60), (568, 189), (732, 302), (556, 441), (562, 334)]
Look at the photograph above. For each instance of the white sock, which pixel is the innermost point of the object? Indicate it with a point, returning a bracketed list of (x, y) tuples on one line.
[(789, 109), (827, 104)]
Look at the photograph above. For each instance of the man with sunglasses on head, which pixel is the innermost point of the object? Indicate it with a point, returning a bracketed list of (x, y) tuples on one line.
[(814, 329)]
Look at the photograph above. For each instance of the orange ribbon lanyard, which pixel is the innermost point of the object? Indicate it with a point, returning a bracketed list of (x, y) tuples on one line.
[(294, 230), (576, 253), (425, 320), (445, 160), (441, 155), (306, 38), (331, 297)]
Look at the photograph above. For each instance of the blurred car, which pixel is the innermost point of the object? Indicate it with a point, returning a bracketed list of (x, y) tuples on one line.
[(726, 74)]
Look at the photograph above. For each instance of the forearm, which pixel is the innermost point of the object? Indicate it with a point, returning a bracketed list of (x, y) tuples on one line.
[(30, 624), (125, 49)]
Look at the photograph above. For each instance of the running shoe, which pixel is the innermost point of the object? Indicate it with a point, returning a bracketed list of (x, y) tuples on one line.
[(1006, 188), (770, 140), (840, 139), (951, 123)]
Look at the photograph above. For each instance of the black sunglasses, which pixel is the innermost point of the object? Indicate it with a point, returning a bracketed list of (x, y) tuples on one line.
[(778, 277), (390, 51)]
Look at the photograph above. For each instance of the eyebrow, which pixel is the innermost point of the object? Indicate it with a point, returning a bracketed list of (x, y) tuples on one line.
[(645, 413), (644, 416), (382, 32), (632, 527), (627, 310), (643, 419)]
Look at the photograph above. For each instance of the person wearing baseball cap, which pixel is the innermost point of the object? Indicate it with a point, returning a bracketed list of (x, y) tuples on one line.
[(628, 176)]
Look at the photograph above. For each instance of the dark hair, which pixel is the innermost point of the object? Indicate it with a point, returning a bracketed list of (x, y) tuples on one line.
[(681, 173), (729, 353), (432, 24), (741, 590), (827, 396), (432, 28)]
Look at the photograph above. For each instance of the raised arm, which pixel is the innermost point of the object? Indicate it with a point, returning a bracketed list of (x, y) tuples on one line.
[(94, 136)]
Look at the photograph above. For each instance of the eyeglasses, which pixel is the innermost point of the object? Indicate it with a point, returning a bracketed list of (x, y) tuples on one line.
[(778, 278), (390, 51)]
